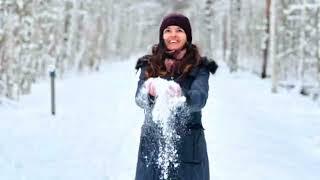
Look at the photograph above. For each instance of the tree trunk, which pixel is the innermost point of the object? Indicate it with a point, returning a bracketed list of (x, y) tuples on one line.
[(225, 38), (272, 57), (302, 42), (267, 31), (234, 46), (208, 21), (316, 95)]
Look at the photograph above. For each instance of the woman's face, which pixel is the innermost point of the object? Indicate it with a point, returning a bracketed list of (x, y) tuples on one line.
[(174, 37)]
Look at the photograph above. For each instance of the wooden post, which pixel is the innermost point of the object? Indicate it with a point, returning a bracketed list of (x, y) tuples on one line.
[(52, 77)]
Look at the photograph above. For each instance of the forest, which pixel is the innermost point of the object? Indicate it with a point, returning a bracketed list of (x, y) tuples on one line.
[(273, 39)]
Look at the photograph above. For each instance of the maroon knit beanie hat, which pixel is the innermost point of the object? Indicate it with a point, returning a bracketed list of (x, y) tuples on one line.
[(176, 19)]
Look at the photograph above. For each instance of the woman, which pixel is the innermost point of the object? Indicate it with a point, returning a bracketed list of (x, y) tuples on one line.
[(175, 58)]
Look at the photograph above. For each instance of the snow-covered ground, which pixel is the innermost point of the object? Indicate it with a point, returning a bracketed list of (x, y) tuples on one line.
[(251, 133)]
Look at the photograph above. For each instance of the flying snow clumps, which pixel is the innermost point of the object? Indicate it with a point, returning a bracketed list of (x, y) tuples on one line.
[(163, 114)]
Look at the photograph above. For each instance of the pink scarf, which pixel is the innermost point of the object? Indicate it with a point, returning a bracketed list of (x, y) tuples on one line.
[(172, 64)]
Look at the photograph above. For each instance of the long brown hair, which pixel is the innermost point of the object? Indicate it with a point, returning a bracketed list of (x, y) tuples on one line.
[(156, 67)]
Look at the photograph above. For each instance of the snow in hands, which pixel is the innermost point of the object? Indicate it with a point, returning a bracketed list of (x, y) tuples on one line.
[(163, 113)]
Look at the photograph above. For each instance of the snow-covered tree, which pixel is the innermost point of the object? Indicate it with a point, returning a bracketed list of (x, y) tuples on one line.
[(78, 35), (234, 35)]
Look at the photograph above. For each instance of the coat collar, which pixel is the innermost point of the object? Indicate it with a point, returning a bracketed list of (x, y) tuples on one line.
[(207, 63)]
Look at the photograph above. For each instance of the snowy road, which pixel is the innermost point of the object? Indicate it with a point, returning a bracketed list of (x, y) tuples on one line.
[(251, 133)]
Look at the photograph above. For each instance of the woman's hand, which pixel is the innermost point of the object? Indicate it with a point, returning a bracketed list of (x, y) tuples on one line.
[(174, 90), (151, 87)]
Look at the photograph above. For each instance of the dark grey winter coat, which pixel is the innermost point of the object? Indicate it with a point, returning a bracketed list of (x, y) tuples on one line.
[(192, 150)]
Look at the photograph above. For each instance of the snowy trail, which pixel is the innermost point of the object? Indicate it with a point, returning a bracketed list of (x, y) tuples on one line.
[(251, 133), (254, 134), (93, 135)]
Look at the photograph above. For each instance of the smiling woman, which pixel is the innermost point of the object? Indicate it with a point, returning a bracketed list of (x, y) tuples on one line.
[(177, 60), (174, 37)]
